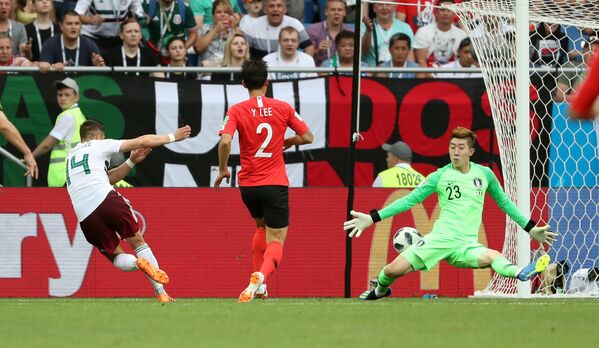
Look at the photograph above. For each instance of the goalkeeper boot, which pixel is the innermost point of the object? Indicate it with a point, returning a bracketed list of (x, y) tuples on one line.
[(370, 294), (534, 268), (155, 273), (256, 279), (261, 292)]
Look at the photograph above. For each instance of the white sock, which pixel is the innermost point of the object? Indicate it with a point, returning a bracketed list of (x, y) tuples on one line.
[(125, 262), (145, 252)]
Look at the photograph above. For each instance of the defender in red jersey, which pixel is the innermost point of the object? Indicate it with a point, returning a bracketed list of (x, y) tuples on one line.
[(262, 123), (585, 104)]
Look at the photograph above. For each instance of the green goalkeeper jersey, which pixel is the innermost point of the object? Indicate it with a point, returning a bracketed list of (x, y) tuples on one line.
[(462, 198)]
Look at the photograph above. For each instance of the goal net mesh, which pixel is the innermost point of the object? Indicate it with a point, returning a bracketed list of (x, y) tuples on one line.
[(564, 156)]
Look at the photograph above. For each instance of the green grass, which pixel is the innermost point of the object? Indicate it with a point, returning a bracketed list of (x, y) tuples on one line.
[(306, 323)]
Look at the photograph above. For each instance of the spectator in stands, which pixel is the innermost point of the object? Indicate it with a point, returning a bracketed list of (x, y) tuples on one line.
[(323, 33), (253, 8), (344, 47), (263, 36), (13, 29), (400, 47), (69, 48), (437, 43), (465, 60), (202, 10), (40, 30), (24, 11), (131, 53), (549, 45), (237, 52), (6, 56), (177, 54), (577, 37), (569, 81), (288, 56), (210, 44), (102, 20), (181, 23), (377, 32), (11, 133), (399, 172)]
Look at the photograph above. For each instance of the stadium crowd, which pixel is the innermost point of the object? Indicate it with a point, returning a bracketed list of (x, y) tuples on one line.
[(286, 33)]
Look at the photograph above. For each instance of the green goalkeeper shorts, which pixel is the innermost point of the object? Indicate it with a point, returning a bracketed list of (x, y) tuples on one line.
[(434, 247)]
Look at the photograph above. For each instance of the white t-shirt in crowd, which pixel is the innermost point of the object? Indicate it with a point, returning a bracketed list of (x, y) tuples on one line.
[(87, 178), (247, 22), (442, 45), (452, 75), (301, 60), (580, 284)]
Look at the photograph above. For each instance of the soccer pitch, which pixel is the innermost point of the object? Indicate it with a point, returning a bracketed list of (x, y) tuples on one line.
[(285, 323)]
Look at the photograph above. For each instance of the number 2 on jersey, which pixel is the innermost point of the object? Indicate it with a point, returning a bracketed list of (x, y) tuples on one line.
[(268, 128), (74, 164)]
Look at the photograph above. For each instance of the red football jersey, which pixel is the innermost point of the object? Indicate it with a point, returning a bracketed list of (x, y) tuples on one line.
[(262, 123), (588, 92)]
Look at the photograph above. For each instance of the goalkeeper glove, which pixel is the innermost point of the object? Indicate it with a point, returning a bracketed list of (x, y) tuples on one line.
[(358, 224), (543, 235)]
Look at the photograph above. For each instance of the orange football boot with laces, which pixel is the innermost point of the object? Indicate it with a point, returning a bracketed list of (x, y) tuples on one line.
[(155, 273)]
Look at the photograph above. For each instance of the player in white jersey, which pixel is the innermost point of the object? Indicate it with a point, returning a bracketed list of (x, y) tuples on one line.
[(104, 215)]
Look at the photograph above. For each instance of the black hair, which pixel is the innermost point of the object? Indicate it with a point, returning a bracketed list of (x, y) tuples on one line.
[(254, 73), (89, 128), (400, 37), (343, 34), (71, 13)]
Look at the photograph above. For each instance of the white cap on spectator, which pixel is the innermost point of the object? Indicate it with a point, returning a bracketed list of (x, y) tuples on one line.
[(69, 83)]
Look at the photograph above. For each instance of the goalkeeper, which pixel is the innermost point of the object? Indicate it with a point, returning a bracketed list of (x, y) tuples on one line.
[(460, 187)]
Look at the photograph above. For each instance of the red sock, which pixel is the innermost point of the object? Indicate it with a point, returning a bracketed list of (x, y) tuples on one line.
[(272, 258), (258, 248)]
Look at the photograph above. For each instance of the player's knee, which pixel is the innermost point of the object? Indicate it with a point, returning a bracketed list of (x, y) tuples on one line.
[(487, 257), (399, 267)]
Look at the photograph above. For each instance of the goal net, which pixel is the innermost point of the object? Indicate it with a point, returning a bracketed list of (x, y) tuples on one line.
[(563, 154)]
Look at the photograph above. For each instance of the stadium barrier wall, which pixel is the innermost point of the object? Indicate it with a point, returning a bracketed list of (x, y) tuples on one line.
[(420, 112), (202, 238)]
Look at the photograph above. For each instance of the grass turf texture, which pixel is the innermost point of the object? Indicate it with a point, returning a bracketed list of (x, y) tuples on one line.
[(302, 323)]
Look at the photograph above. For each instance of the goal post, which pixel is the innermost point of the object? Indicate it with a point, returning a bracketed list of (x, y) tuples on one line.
[(550, 165)]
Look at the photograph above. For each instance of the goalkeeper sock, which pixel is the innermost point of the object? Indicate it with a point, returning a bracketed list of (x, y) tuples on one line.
[(258, 248), (505, 268), (384, 283), (145, 252), (125, 262), (272, 258)]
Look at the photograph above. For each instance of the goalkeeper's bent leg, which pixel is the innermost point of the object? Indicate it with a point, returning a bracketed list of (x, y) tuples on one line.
[(503, 267), (384, 282)]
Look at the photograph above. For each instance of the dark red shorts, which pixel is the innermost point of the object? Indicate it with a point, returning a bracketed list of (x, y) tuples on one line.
[(112, 221)]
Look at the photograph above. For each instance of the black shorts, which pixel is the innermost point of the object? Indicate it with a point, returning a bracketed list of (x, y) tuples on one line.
[(268, 202)]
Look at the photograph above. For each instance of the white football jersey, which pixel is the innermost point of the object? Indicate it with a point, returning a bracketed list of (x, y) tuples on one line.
[(87, 178)]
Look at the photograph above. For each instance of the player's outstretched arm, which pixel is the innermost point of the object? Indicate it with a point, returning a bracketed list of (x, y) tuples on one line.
[(119, 173), (153, 140), (11, 134), (224, 150)]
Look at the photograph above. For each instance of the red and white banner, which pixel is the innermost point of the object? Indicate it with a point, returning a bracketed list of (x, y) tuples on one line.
[(202, 238)]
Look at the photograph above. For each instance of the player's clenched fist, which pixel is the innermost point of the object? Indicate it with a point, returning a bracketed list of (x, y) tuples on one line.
[(183, 133)]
